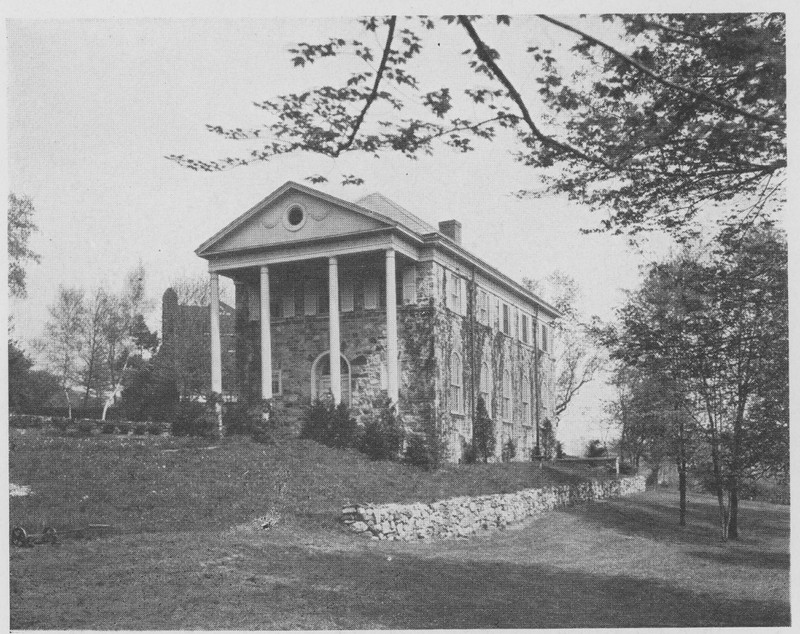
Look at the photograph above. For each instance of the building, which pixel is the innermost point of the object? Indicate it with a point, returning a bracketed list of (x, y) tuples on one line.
[(408, 310), (186, 344)]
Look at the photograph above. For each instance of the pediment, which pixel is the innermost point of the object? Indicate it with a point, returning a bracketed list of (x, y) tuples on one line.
[(292, 213)]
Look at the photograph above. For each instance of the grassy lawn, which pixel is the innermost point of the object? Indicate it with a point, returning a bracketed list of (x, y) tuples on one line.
[(183, 559)]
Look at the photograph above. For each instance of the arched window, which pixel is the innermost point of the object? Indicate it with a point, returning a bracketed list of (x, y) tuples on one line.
[(526, 400), (485, 389), (321, 377), (456, 392), (506, 395)]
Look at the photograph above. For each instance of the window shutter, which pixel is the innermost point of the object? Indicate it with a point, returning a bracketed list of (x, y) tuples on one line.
[(370, 293), (410, 285), (310, 303), (346, 296)]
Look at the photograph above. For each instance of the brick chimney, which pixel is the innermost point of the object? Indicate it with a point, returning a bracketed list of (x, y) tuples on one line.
[(451, 229)]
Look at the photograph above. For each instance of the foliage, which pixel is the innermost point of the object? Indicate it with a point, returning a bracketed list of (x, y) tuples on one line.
[(143, 339), (418, 452), (547, 440), (483, 433), (559, 450), (718, 327), (578, 355), (150, 394), (27, 389), (694, 116), (596, 449), (192, 419), (509, 451), (330, 424), (20, 228), (383, 433)]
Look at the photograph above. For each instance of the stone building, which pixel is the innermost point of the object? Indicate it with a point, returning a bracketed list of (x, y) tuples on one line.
[(186, 342), (408, 310)]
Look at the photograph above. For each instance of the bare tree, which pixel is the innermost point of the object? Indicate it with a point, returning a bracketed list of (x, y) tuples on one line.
[(63, 339), (93, 375)]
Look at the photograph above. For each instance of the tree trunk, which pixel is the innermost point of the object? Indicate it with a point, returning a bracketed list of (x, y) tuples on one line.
[(733, 519), (682, 473), (69, 403), (723, 512)]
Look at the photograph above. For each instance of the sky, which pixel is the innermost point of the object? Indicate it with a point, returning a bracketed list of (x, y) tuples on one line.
[(94, 106)]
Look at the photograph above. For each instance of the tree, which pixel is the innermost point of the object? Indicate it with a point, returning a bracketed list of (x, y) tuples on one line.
[(118, 331), (143, 338), (20, 228), (693, 115), (579, 356), (718, 327), (63, 338), (93, 374), (483, 434), (27, 388)]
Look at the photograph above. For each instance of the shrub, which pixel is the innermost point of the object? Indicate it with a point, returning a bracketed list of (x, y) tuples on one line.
[(483, 439), (191, 420), (560, 450), (383, 435), (61, 423), (345, 431), (509, 451), (154, 429), (85, 426), (140, 429), (108, 428), (470, 454), (268, 426), (595, 449), (315, 423), (240, 418), (418, 452), (150, 394), (547, 440)]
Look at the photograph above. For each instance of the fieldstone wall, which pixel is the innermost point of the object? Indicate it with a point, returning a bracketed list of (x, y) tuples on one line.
[(463, 516)]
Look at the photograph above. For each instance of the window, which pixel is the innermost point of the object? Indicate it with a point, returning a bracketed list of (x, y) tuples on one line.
[(370, 293), (409, 285), (524, 328), (483, 307), (496, 314), (275, 306), (277, 382), (545, 335), (456, 399), (294, 218), (311, 296), (288, 303), (485, 389), (506, 413), (455, 292), (526, 400), (506, 319), (253, 304), (516, 323), (346, 296)]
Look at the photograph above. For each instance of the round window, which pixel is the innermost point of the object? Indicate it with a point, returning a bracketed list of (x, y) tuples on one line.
[(294, 218)]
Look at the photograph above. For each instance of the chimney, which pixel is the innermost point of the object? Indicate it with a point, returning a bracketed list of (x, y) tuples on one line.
[(451, 229)]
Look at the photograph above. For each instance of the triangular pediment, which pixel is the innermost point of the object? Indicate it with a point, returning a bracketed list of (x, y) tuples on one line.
[(293, 213)]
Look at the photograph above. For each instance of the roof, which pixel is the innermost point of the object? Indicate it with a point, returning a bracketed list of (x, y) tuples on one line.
[(378, 203)]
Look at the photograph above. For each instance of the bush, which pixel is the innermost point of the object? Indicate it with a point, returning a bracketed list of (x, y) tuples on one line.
[(470, 454), (61, 423), (596, 449), (150, 394), (315, 423), (85, 426), (154, 429), (240, 418), (559, 450), (140, 429), (383, 435), (483, 438), (193, 419), (108, 428), (418, 452), (509, 451), (547, 440)]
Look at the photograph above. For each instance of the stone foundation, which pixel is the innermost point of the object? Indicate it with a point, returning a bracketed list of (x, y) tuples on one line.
[(464, 516)]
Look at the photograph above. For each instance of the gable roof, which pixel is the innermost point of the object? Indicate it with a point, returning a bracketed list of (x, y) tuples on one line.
[(378, 203)]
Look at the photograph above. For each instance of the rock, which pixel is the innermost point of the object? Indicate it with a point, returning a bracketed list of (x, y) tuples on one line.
[(359, 527)]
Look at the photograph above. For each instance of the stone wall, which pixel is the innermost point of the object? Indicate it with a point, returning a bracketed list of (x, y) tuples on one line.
[(463, 516)]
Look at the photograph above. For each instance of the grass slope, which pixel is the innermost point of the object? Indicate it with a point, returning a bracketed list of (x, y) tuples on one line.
[(621, 563), (162, 483)]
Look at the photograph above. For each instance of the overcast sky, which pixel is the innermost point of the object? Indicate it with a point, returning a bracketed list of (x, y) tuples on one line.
[(95, 105)]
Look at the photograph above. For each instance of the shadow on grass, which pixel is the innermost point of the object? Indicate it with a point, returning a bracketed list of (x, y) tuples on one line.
[(657, 519), (738, 557), (272, 586)]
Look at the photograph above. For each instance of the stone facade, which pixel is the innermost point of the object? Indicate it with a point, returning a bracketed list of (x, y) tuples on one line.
[(464, 516)]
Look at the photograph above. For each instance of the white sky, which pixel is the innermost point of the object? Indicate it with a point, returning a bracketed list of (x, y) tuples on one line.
[(95, 105)]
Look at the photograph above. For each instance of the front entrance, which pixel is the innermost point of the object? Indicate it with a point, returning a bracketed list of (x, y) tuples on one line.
[(321, 377)]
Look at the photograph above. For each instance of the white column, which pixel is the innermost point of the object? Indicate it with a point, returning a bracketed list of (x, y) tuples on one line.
[(266, 337), (391, 327), (333, 314), (216, 344)]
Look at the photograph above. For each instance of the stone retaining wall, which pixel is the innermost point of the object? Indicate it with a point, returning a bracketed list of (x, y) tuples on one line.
[(463, 516)]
